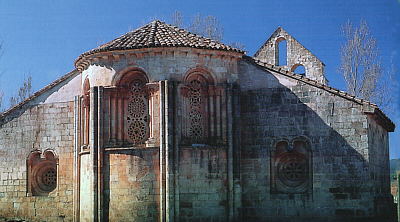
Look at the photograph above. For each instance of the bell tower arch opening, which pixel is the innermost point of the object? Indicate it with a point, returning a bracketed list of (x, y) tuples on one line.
[(281, 51), (298, 69)]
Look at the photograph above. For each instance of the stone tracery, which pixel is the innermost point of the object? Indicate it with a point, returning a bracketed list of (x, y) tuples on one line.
[(196, 93), (291, 167), (137, 114), (196, 114), (42, 173)]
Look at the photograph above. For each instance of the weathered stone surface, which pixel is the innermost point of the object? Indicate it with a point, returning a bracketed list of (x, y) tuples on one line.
[(42, 127), (296, 55), (196, 134), (344, 180)]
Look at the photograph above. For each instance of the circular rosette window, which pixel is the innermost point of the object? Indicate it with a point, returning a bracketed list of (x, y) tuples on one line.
[(196, 125), (137, 107), (137, 130), (44, 177), (292, 169)]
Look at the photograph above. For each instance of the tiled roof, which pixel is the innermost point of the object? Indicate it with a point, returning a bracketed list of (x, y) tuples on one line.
[(159, 34), (390, 126)]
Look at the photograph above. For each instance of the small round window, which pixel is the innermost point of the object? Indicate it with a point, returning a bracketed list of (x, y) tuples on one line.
[(291, 172), (44, 178), (42, 173), (47, 179), (292, 169)]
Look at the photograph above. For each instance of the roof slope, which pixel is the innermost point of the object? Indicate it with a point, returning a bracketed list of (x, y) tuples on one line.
[(159, 34), (384, 120), (5, 116)]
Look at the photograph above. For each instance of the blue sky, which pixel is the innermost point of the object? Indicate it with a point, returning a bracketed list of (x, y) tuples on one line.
[(42, 38)]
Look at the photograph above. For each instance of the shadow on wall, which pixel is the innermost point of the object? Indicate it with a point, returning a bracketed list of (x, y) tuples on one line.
[(327, 177)]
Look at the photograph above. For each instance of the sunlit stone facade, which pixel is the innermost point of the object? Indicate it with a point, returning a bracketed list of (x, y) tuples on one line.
[(186, 131)]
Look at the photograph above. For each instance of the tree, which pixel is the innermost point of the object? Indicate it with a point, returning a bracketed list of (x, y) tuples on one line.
[(23, 92), (207, 26), (361, 66), (177, 19)]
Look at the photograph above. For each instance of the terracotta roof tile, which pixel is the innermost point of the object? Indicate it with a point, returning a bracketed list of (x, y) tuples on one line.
[(159, 34)]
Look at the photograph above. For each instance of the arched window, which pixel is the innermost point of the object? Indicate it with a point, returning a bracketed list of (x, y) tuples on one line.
[(298, 69), (196, 100), (291, 166), (137, 116), (42, 173), (137, 107), (85, 113), (281, 52)]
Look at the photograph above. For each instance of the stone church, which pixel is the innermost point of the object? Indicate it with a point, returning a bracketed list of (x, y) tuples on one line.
[(164, 125)]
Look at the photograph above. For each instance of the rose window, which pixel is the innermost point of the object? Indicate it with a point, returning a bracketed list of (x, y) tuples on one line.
[(42, 173), (292, 170), (137, 107), (44, 178), (50, 177)]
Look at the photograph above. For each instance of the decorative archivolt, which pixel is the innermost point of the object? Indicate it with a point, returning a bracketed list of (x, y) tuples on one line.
[(291, 166), (124, 111), (85, 101), (137, 115), (196, 92), (42, 172)]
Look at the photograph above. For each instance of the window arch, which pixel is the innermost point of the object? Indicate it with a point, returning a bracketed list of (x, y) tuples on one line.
[(86, 113), (196, 106), (281, 52), (298, 69), (137, 106), (291, 166), (42, 172)]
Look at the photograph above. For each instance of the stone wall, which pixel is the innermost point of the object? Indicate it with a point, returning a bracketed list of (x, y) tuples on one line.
[(131, 189), (42, 127), (337, 130), (345, 152), (162, 64), (296, 55), (203, 184), (378, 143)]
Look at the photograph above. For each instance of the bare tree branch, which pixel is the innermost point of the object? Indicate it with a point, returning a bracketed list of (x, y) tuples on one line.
[(23, 92), (177, 19), (208, 26), (238, 45), (361, 66)]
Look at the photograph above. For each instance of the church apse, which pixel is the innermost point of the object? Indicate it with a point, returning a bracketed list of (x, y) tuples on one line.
[(190, 129), (119, 163), (145, 127)]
